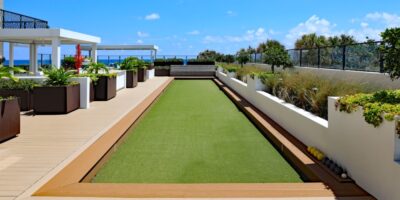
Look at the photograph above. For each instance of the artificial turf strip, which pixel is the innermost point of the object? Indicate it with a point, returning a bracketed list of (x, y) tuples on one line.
[(195, 134)]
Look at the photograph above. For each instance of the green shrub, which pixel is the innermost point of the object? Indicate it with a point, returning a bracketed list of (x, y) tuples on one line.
[(308, 91), (68, 63), (19, 85), (58, 77), (377, 106), (391, 51), (229, 67), (168, 62), (131, 63), (200, 62), (7, 72), (243, 57), (96, 68), (248, 70)]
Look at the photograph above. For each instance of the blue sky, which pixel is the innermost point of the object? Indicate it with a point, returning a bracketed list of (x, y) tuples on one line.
[(185, 27)]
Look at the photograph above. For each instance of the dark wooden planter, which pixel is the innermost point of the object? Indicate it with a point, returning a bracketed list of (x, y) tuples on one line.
[(162, 72), (56, 100), (141, 75), (131, 79), (91, 92), (25, 97), (10, 124), (105, 88)]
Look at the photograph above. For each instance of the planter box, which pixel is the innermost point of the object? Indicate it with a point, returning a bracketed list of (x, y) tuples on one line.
[(25, 97), (131, 79), (141, 75), (9, 119), (56, 100), (105, 88), (162, 72), (91, 92)]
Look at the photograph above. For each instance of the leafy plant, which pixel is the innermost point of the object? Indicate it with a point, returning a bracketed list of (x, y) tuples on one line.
[(200, 62), (242, 56), (391, 51), (168, 62), (68, 63), (96, 68), (58, 77), (377, 106), (21, 84), (131, 63), (277, 56), (8, 72)]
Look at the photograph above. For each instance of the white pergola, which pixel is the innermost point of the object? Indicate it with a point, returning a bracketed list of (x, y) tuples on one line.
[(39, 37), (94, 48)]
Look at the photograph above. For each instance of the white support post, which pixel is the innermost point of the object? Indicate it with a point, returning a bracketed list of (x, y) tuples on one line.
[(93, 53), (35, 59), (56, 52), (31, 58), (11, 54)]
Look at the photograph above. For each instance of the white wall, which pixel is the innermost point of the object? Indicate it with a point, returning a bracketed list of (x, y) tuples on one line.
[(121, 79), (150, 73), (366, 152)]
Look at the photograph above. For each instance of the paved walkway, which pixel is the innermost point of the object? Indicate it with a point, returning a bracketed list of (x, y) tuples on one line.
[(48, 142)]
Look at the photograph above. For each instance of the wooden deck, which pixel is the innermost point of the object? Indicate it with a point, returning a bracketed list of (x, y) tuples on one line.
[(49, 142)]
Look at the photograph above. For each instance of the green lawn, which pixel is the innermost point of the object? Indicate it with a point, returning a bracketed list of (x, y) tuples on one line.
[(195, 134)]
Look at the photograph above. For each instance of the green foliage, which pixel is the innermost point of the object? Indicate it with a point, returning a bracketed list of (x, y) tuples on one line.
[(8, 72), (68, 63), (277, 56), (20, 85), (307, 91), (168, 62), (58, 77), (6, 98), (391, 50), (228, 59), (210, 55), (242, 56), (96, 68), (200, 62), (229, 67), (132, 63), (377, 106)]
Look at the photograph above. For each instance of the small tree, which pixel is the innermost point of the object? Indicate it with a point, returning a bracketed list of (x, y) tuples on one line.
[(277, 56), (242, 57), (229, 58), (391, 51)]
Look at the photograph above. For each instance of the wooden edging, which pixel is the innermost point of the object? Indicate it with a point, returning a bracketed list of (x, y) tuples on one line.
[(68, 182)]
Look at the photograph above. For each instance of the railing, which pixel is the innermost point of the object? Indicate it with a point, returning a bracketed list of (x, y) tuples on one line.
[(357, 57), (12, 20)]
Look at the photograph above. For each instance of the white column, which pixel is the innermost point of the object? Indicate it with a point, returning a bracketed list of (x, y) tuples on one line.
[(31, 58), (11, 54), (93, 53), (56, 52), (35, 59)]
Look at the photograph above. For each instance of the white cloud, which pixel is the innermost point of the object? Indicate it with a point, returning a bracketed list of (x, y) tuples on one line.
[(152, 16), (142, 34), (312, 25), (231, 13), (390, 20), (194, 32), (139, 41), (251, 36)]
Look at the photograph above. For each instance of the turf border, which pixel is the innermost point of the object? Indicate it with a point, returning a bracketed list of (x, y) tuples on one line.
[(68, 182)]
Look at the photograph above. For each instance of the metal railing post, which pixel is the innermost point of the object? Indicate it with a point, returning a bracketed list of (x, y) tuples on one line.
[(3, 20), (41, 60), (344, 57), (301, 57), (319, 57), (20, 22), (381, 62)]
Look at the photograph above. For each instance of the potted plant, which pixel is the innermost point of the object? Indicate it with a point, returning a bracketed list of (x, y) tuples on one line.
[(58, 95), (131, 65), (142, 71), (105, 87), (23, 89), (9, 108), (9, 118)]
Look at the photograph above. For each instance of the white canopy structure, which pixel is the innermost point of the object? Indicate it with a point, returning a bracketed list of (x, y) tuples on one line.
[(37, 37), (93, 49)]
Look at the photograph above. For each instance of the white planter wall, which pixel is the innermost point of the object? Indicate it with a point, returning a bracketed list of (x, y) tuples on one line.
[(150, 73), (366, 152), (121, 79)]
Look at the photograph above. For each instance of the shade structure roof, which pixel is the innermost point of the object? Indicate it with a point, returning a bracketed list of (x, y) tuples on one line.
[(123, 47), (46, 36)]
